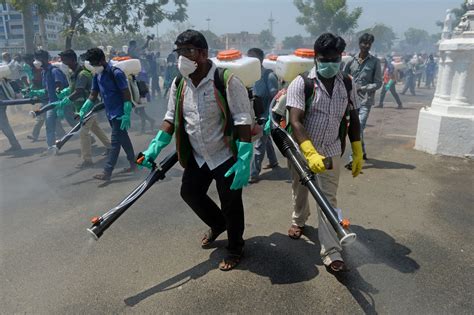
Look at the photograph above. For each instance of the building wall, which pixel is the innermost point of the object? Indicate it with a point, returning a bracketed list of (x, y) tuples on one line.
[(11, 28)]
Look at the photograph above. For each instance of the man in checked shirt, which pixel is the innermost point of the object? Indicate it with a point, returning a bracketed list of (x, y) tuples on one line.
[(316, 130)]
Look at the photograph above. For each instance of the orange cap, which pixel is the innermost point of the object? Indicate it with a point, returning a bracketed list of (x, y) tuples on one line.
[(304, 52), (231, 54), (272, 57)]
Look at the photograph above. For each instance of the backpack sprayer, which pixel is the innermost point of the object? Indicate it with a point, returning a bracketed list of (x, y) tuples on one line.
[(77, 127), (102, 223), (289, 148)]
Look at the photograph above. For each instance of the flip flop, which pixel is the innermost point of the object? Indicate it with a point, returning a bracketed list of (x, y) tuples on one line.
[(209, 238), (295, 231)]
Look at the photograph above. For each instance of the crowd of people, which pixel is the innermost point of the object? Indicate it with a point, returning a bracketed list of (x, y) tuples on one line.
[(210, 114)]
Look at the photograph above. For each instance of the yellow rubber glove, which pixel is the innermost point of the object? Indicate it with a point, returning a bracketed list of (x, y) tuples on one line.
[(315, 160), (357, 160)]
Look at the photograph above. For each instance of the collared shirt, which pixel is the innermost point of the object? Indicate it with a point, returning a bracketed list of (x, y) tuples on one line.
[(203, 117), (15, 70), (51, 76), (325, 113), (110, 83), (80, 80), (367, 76)]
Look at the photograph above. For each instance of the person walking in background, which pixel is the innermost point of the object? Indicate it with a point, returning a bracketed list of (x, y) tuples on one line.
[(366, 72), (171, 72), (265, 88), (430, 69), (410, 76), (390, 82)]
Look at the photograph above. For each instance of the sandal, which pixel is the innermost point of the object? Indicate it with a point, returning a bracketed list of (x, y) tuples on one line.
[(337, 266), (209, 238), (102, 176), (295, 231), (230, 261)]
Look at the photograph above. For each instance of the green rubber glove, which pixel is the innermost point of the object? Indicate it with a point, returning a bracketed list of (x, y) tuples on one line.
[(389, 85), (357, 158), (63, 93), (267, 128), (125, 118), (241, 168), (86, 107), (64, 102), (38, 93), (161, 140)]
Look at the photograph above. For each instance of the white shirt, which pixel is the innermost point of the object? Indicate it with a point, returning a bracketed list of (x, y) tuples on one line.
[(203, 117)]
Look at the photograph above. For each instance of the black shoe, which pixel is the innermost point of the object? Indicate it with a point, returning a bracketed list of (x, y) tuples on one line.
[(33, 139), (400, 107), (102, 176), (364, 157)]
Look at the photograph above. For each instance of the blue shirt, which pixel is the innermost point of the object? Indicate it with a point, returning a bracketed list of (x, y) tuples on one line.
[(266, 88), (110, 84), (50, 76)]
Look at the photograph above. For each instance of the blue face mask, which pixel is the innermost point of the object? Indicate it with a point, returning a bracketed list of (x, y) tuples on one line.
[(328, 69)]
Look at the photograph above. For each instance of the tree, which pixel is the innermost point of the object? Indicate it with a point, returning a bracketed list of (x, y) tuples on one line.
[(26, 8), (293, 42), (417, 40), (111, 15), (320, 16), (384, 37), (266, 39)]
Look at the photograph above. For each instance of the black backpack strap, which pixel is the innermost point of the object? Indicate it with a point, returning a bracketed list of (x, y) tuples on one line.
[(219, 82), (308, 87), (348, 85)]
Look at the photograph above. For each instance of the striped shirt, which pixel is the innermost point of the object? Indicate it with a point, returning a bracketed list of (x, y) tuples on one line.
[(203, 118), (325, 113)]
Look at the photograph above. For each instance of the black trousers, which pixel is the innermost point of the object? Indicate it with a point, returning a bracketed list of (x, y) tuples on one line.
[(230, 216)]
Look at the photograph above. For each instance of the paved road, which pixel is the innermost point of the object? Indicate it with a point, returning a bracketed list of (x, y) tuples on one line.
[(412, 213)]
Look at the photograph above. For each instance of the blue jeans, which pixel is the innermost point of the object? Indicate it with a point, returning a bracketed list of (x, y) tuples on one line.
[(262, 145), (118, 139), (51, 120)]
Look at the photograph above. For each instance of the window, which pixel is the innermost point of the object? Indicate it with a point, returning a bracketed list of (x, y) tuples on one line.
[(15, 16), (17, 36), (16, 27)]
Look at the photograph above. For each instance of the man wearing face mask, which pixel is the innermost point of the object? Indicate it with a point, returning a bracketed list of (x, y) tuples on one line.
[(209, 148), (366, 72), (75, 95), (53, 79), (316, 129), (112, 85)]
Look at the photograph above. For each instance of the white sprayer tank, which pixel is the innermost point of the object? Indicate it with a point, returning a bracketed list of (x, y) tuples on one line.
[(5, 72), (128, 66), (270, 62), (247, 69), (290, 66)]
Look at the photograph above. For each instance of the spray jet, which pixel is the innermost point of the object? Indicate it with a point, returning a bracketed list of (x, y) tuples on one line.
[(102, 223), (77, 127)]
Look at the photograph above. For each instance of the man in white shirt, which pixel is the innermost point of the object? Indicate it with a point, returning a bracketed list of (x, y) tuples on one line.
[(213, 140)]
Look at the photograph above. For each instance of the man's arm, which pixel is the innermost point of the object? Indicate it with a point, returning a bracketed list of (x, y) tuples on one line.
[(272, 85), (354, 126), (240, 108), (378, 79), (296, 120), (60, 80)]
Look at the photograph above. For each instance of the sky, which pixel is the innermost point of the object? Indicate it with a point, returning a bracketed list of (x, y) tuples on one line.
[(231, 16)]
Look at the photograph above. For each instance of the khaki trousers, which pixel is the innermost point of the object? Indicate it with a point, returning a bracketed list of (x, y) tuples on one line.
[(328, 182), (86, 148)]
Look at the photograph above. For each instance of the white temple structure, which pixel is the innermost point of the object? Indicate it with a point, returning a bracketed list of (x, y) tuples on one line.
[(447, 127)]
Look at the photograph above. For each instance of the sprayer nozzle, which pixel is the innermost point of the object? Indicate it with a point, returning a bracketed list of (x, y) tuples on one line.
[(345, 223), (94, 236), (348, 239), (95, 220)]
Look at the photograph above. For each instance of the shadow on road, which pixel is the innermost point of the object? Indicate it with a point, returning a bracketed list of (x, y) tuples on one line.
[(23, 153), (379, 164), (277, 173)]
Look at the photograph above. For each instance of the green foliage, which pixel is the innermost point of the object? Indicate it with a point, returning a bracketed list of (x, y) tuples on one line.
[(417, 40), (267, 40), (293, 42), (320, 16), (384, 37)]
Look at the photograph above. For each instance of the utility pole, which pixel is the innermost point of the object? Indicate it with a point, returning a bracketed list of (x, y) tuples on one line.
[(271, 21), (208, 23)]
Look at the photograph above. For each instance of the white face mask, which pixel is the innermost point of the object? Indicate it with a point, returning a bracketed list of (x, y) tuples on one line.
[(37, 64), (186, 66)]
